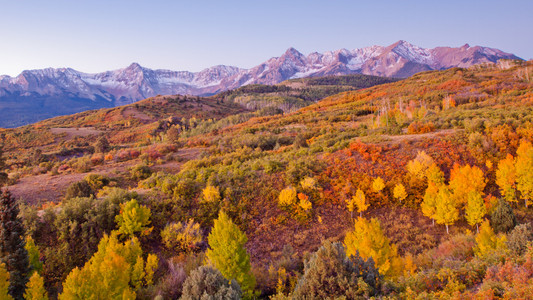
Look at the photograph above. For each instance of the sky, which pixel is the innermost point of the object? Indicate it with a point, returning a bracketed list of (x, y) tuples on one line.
[(99, 35)]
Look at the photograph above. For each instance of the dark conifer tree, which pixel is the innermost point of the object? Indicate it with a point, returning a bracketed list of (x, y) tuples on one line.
[(3, 176), (503, 218), (12, 251)]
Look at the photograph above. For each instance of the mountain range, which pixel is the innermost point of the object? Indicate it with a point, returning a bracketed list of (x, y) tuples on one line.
[(39, 94)]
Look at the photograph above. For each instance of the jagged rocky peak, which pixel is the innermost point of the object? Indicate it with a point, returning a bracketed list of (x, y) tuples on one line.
[(400, 59)]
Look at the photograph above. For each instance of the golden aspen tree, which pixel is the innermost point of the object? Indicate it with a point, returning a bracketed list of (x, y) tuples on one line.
[(434, 174), (33, 255), (464, 180), (4, 282), (110, 273), (435, 179), (227, 253), (487, 241), (446, 211), (524, 171), (35, 288), (378, 184), (360, 202), (418, 166), (399, 192), (350, 205), (506, 178), (369, 240), (133, 218), (475, 209), (149, 269)]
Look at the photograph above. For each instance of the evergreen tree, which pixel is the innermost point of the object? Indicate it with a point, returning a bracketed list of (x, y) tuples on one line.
[(503, 218), (35, 289), (12, 251), (331, 274), (227, 253), (3, 175)]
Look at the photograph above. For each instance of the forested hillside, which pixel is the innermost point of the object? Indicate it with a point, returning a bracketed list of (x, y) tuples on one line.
[(415, 189)]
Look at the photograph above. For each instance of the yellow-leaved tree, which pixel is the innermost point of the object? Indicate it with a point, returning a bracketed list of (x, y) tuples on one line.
[(475, 209), (487, 241), (115, 271), (35, 288), (418, 166), (360, 201), (399, 192), (506, 178), (435, 179), (446, 211), (4, 282), (378, 184), (464, 180), (33, 255), (133, 218), (524, 171), (369, 240), (227, 254)]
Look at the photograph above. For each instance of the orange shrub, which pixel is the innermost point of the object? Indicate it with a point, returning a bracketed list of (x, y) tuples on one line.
[(419, 127)]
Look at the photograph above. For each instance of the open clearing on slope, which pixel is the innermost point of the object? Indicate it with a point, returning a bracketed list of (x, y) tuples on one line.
[(43, 188)]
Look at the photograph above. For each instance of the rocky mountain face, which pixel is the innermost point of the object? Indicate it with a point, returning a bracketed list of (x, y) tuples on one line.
[(38, 94)]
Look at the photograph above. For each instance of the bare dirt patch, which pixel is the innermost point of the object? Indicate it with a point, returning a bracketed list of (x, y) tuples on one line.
[(413, 137), (73, 132), (39, 189), (135, 113)]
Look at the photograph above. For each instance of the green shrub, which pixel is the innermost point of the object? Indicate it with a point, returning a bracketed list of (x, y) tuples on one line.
[(208, 283), (330, 274), (182, 236), (140, 172), (79, 189), (97, 181), (519, 237)]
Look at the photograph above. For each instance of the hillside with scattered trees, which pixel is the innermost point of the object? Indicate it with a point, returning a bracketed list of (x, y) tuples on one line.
[(320, 188)]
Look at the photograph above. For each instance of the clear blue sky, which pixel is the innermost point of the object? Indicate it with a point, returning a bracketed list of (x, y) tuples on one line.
[(99, 35)]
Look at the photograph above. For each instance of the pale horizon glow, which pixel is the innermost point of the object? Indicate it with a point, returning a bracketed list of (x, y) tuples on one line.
[(97, 36)]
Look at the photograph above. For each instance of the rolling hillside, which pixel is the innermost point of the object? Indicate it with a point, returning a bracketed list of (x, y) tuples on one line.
[(214, 155)]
